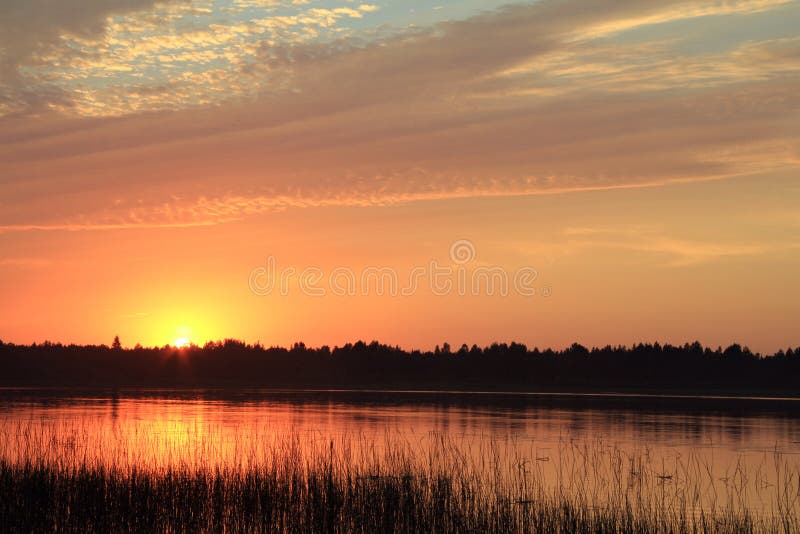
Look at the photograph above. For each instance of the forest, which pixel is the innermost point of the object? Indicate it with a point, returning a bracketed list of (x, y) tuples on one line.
[(498, 367)]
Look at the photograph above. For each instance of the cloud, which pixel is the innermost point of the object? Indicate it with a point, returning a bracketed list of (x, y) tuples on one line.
[(137, 315), (31, 28), (25, 262), (77, 227), (422, 114), (675, 11), (619, 67), (680, 252), (116, 59)]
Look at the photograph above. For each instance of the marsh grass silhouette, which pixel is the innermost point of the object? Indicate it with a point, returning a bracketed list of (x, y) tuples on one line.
[(331, 488)]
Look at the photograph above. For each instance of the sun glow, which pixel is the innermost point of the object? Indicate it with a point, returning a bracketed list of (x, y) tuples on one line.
[(181, 342)]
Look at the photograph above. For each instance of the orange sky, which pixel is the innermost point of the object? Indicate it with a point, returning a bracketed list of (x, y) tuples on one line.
[(642, 157)]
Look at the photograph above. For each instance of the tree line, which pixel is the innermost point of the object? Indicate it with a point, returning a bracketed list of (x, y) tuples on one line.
[(500, 366)]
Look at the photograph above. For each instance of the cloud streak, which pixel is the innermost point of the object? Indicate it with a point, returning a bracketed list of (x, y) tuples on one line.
[(681, 252)]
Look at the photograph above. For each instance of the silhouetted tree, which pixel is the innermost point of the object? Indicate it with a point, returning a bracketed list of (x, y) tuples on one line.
[(500, 365)]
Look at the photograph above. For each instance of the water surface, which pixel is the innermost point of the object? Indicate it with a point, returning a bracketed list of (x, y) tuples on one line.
[(714, 451)]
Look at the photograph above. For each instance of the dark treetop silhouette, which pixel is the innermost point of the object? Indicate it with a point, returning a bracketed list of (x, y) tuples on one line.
[(690, 367)]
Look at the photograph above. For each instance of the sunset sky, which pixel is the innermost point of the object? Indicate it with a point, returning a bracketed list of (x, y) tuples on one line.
[(642, 156)]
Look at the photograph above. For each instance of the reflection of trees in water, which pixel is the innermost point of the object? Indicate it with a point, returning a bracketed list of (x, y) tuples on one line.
[(626, 418)]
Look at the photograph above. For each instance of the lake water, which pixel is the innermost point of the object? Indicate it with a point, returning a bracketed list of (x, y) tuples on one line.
[(708, 451)]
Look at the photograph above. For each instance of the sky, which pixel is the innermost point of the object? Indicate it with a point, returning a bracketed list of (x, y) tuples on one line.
[(636, 162)]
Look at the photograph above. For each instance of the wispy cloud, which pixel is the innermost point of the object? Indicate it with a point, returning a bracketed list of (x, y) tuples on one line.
[(679, 252), (25, 262), (136, 315), (99, 226)]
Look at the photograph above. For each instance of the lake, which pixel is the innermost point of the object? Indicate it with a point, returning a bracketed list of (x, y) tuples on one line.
[(709, 452)]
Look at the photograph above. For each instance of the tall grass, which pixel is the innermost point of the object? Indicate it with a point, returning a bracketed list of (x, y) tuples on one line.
[(352, 484)]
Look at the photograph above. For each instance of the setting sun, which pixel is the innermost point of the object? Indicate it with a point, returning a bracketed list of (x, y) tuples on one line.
[(181, 342)]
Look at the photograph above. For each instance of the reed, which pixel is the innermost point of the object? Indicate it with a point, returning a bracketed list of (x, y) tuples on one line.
[(352, 484)]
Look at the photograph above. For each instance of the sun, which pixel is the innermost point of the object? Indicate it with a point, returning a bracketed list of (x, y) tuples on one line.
[(183, 337)]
